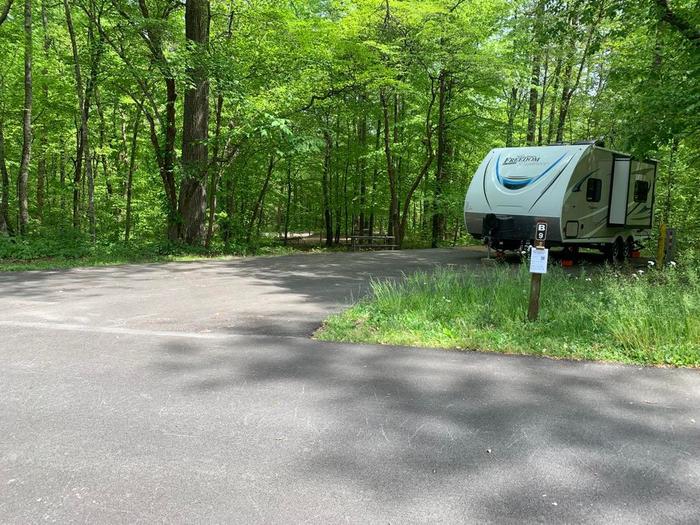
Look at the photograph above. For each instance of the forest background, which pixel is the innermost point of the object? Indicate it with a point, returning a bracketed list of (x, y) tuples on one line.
[(217, 126)]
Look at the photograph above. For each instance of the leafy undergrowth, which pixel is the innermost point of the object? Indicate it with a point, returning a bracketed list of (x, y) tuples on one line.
[(644, 317), (75, 251)]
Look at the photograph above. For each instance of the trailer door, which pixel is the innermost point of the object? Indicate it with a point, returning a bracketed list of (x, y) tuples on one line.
[(641, 194), (619, 191)]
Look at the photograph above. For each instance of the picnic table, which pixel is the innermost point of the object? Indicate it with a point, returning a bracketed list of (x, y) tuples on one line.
[(373, 242)]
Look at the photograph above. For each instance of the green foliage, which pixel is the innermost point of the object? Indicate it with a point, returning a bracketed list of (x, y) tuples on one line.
[(297, 85), (645, 317)]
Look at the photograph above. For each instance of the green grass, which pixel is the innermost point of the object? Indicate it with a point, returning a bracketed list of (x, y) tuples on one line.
[(650, 319), (73, 252)]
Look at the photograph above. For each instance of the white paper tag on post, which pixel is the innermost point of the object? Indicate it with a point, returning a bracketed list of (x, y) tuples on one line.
[(538, 260)]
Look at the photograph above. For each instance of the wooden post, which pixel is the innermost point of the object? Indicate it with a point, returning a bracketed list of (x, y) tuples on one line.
[(661, 250), (533, 311)]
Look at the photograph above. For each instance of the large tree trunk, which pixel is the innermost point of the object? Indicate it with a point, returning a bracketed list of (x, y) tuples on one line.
[(195, 133), (23, 179)]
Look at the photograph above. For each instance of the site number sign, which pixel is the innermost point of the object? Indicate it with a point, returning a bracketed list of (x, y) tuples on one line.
[(541, 232)]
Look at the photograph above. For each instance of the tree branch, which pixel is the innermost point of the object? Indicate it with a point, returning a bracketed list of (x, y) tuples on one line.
[(5, 11), (680, 24)]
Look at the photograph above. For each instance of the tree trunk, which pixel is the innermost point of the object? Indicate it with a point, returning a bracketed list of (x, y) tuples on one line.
[(346, 203), (438, 215), (564, 101), (534, 96), (512, 112), (216, 175), (568, 90), (429, 156), (257, 208), (288, 211), (375, 176), (130, 175), (390, 169), (195, 133), (5, 11), (361, 169), (543, 100), (5, 225), (90, 87), (62, 179), (82, 136), (553, 105), (325, 182), (23, 179), (43, 146), (535, 76)]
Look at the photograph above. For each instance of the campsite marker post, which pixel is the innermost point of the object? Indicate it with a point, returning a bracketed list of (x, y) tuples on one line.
[(539, 257)]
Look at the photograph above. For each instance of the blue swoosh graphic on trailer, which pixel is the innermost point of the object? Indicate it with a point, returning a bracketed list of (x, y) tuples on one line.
[(517, 184), (577, 186)]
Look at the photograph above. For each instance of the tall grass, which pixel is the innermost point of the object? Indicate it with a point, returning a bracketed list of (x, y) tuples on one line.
[(648, 317)]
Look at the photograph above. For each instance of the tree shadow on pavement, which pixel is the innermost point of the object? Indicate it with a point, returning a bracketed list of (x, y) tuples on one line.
[(287, 295), (476, 436)]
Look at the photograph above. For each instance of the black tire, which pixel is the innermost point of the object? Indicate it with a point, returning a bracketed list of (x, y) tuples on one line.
[(616, 252)]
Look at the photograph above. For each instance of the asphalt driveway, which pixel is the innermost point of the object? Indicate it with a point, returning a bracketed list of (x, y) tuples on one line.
[(191, 393)]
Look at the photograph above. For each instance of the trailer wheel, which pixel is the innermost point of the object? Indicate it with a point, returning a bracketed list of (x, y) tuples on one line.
[(615, 252)]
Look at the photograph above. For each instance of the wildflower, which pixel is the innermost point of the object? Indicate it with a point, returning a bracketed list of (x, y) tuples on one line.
[(640, 272), (651, 263), (589, 279), (672, 264), (635, 276)]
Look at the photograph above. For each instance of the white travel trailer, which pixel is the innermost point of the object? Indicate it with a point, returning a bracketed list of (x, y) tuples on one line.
[(588, 195)]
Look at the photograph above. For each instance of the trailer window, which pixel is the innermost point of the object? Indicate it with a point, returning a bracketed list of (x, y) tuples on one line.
[(594, 190), (641, 191)]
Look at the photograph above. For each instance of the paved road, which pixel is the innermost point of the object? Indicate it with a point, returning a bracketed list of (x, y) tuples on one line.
[(191, 393)]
